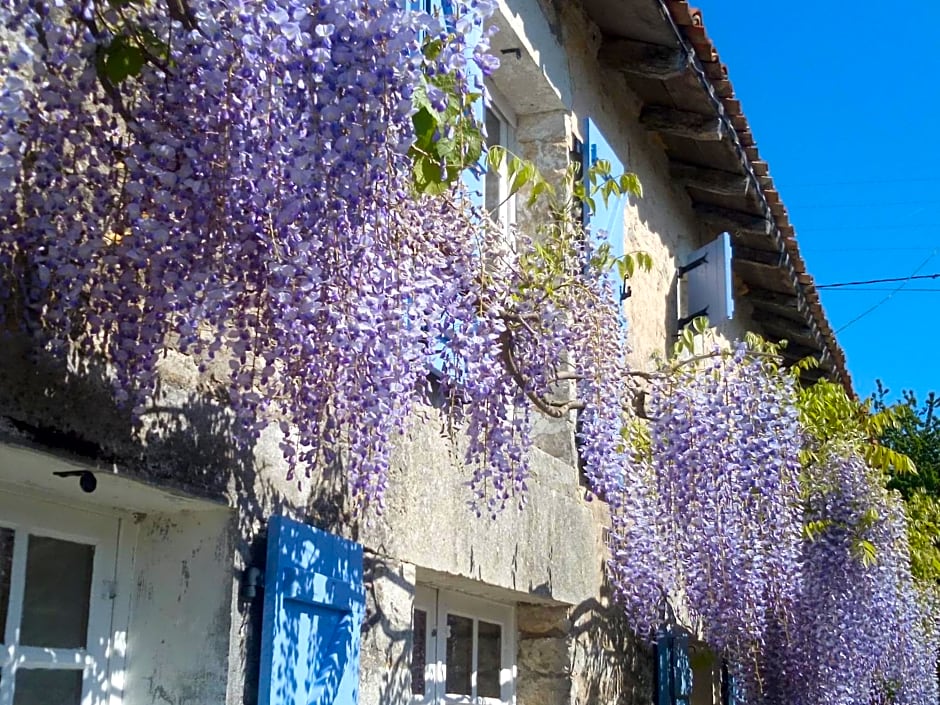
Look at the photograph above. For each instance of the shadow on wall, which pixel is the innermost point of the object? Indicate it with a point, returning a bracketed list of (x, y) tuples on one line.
[(188, 441), (583, 655), (610, 664), (387, 631)]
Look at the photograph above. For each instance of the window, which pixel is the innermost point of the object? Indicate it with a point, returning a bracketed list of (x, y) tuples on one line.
[(500, 131), (57, 571), (463, 650)]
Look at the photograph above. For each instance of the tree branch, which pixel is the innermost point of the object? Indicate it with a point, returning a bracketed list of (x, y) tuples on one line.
[(555, 410)]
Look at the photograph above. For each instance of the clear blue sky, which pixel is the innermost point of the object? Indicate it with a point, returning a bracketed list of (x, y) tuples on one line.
[(844, 102)]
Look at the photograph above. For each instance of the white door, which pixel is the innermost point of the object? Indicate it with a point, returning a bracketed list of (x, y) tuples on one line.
[(57, 578)]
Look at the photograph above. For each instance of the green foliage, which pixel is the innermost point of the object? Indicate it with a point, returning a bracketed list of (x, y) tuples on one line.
[(832, 419), (447, 141), (917, 435), (923, 529), (121, 59), (133, 46), (685, 343)]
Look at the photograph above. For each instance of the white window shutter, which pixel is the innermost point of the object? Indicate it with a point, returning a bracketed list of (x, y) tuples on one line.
[(708, 282)]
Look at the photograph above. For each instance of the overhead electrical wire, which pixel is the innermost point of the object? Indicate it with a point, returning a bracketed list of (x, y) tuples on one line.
[(913, 277), (905, 290), (862, 182), (904, 282), (883, 228), (864, 204)]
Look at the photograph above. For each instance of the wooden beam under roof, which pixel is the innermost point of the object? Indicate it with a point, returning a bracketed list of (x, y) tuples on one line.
[(784, 329), (814, 374), (770, 258), (776, 303), (722, 183), (773, 298), (794, 352), (682, 123), (733, 221), (642, 59)]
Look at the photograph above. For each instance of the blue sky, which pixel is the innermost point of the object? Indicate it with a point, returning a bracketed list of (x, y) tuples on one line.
[(844, 102)]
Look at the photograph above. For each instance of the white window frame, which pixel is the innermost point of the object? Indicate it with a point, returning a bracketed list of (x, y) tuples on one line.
[(102, 660), (505, 214), (438, 604)]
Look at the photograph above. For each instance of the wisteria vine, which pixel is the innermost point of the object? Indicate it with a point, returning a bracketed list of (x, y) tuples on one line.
[(257, 184)]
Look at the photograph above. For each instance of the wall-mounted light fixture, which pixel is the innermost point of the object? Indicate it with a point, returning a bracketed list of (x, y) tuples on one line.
[(252, 582), (86, 479)]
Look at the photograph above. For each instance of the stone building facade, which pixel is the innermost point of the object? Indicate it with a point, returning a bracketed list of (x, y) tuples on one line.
[(179, 519)]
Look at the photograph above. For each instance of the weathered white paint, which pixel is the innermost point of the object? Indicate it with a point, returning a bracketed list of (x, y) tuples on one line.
[(180, 610)]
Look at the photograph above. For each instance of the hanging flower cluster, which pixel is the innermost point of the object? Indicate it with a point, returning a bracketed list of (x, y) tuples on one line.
[(245, 196), (798, 574), (236, 180), (721, 500), (859, 631)]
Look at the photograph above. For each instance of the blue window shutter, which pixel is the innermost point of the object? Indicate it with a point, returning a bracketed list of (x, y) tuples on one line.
[(607, 217), (673, 669), (729, 686), (664, 669), (681, 668), (314, 602)]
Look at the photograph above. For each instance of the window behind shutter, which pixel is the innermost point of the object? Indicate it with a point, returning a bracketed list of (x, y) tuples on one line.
[(609, 216), (314, 604)]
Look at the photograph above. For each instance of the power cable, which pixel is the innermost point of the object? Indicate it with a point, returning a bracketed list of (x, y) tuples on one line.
[(905, 290), (866, 204), (846, 250), (863, 182), (913, 277), (856, 228), (889, 296)]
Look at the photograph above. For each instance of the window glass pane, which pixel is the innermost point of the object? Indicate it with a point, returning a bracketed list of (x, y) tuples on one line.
[(419, 651), (6, 567), (44, 687), (459, 654), (489, 650), (58, 588)]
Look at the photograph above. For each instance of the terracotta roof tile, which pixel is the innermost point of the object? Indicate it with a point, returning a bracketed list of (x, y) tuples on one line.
[(691, 23)]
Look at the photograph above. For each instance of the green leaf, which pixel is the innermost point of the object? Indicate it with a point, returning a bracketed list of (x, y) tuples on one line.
[(495, 156), (156, 46), (630, 183), (700, 324), (866, 552), (122, 59)]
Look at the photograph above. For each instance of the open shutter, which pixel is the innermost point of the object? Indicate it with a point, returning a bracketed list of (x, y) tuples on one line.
[(472, 178), (681, 668), (673, 669), (663, 669), (729, 686), (708, 284), (314, 604), (607, 216)]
